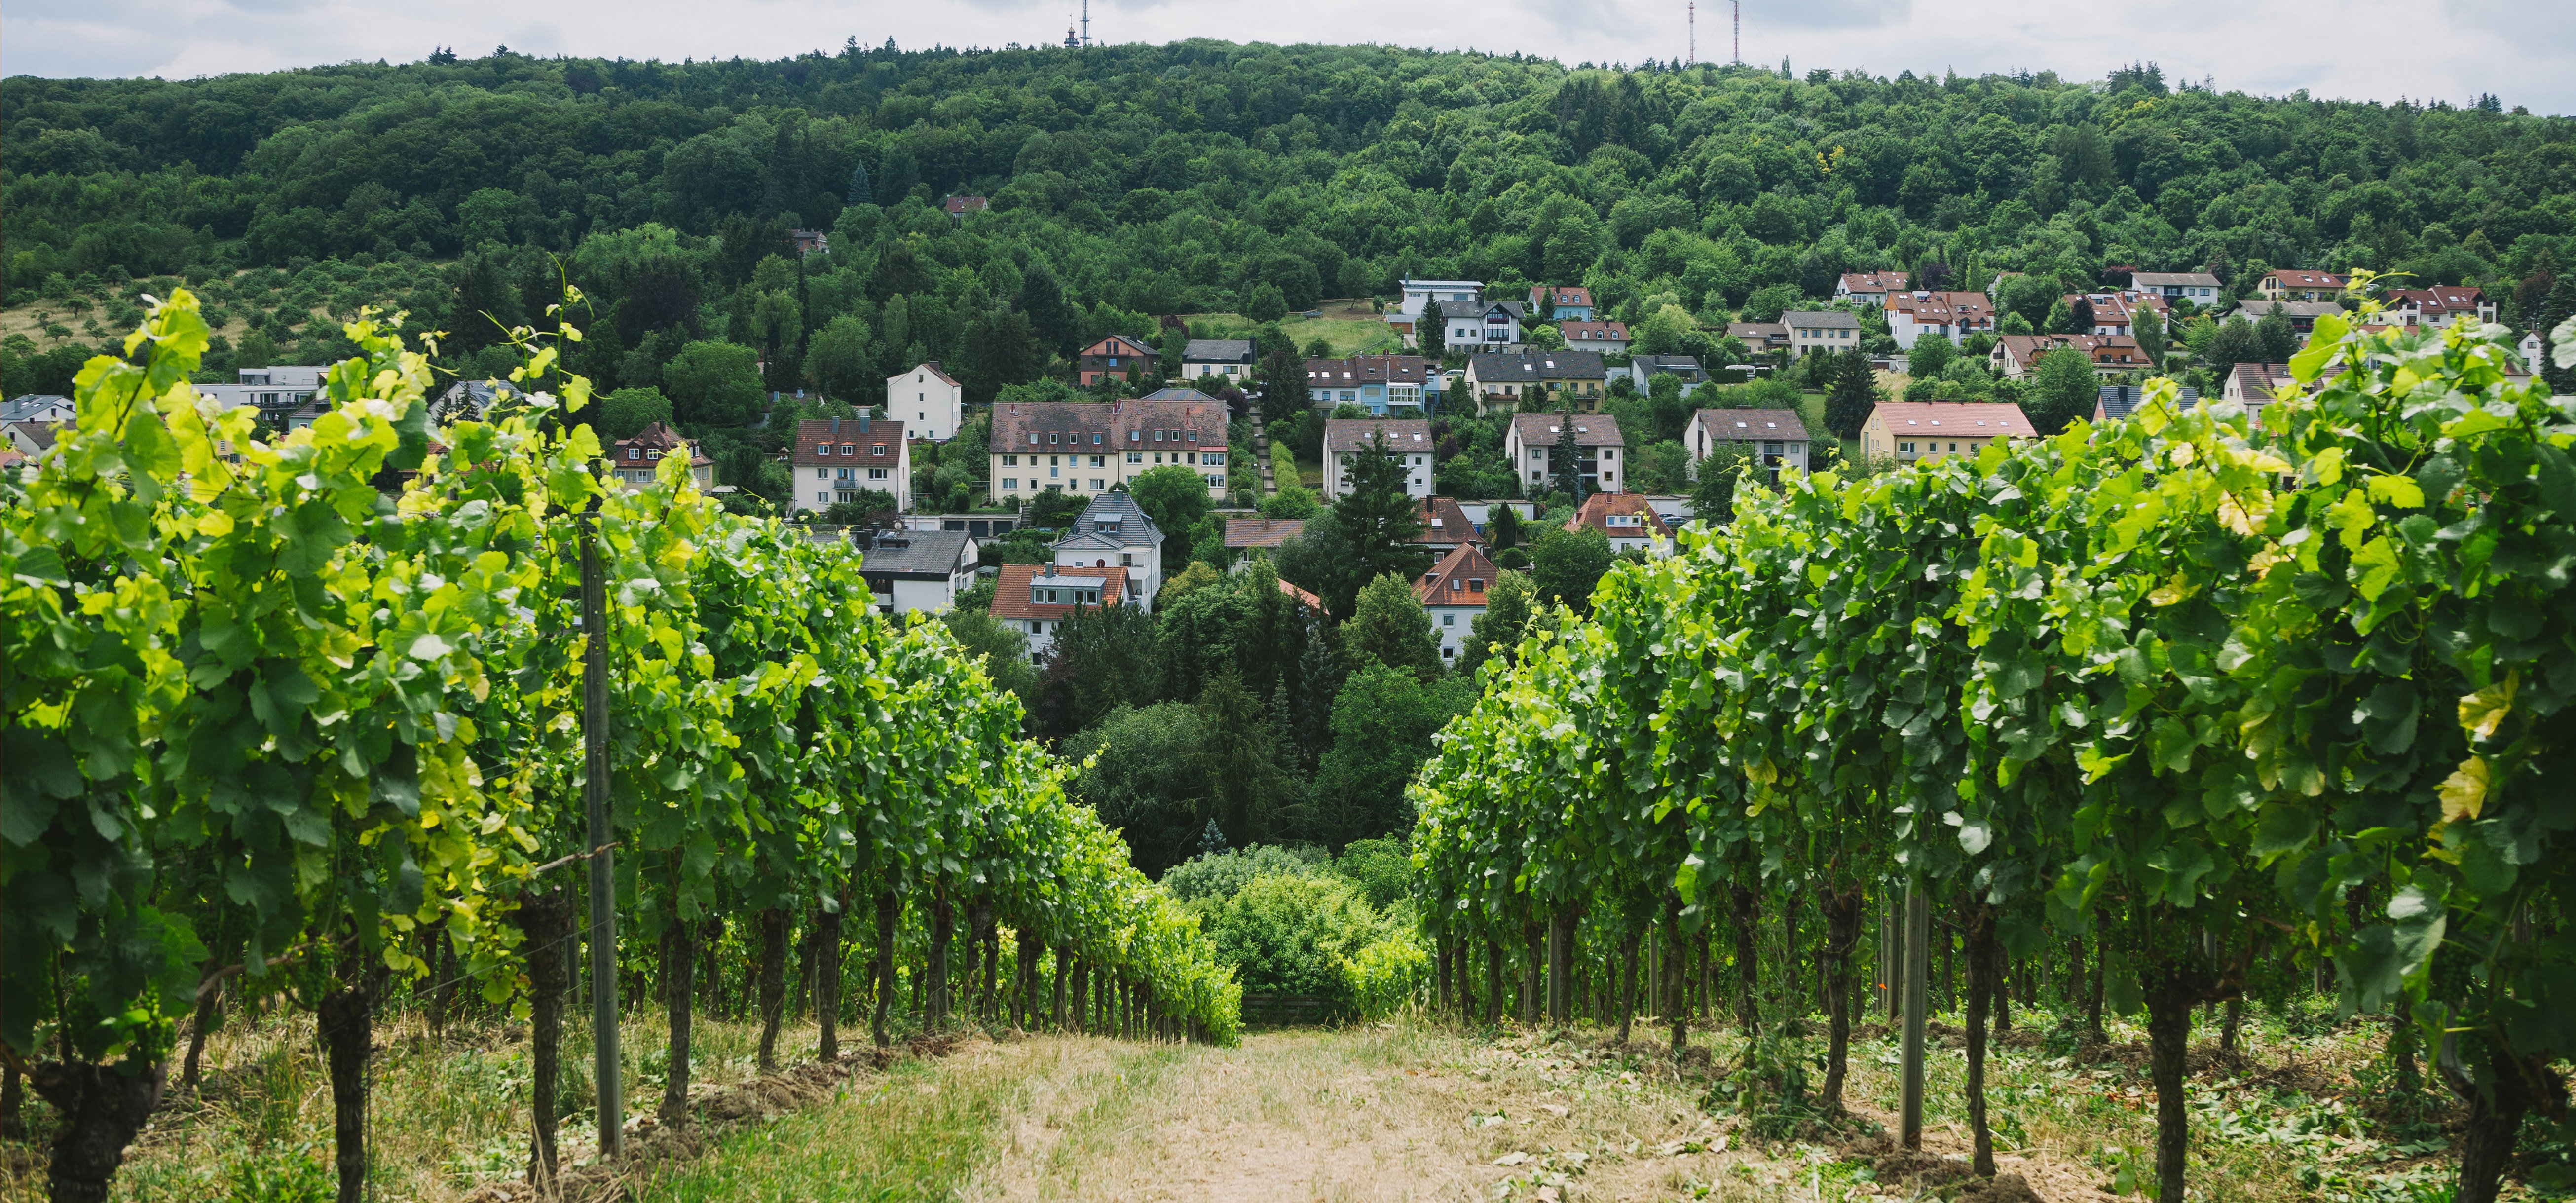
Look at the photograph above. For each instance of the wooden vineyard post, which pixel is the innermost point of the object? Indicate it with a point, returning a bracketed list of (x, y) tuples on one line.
[(1917, 968), (603, 877)]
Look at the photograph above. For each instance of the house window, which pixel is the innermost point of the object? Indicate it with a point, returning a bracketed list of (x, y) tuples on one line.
[(1135, 457), (822, 473), (876, 449), (1010, 482), (1010, 461), (876, 474), (1449, 620), (849, 449), (819, 449)]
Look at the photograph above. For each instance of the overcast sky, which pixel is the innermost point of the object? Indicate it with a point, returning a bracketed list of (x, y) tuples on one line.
[(2522, 50)]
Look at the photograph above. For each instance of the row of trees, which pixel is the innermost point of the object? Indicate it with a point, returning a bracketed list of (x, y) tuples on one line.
[(306, 716), (2223, 698)]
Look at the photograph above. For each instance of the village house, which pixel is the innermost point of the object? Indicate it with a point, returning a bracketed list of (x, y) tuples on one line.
[(1610, 338), (1243, 536), (2115, 402), (277, 392), (2015, 355), (2436, 307), (910, 570), (1228, 358), (1821, 330), (833, 459), (1346, 439), (1445, 526), (2199, 288), (2255, 385), (1906, 431), (2300, 284), (1560, 303), (1869, 288), (1466, 326), (2302, 315), (1950, 315), (1116, 355), (1376, 383), (1453, 593), (935, 400), (635, 460), (1775, 438), (1420, 294), (1759, 336), (957, 207), (2115, 313), (1643, 369), (1036, 599), (1502, 382), (1531, 446), (1114, 532), (1629, 521), (1089, 447)]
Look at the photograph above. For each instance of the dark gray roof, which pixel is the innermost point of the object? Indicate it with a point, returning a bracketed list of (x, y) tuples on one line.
[(1538, 365), (1683, 366), (1133, 527), (27, 406), (1218, 350), (1481, 308), (917, 554)]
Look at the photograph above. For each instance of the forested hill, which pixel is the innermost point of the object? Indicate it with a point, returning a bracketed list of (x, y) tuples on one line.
[(1139, 180)]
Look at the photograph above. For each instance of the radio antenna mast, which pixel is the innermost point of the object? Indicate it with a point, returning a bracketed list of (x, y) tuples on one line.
[(1693, 24), (1086, 24), (1739, 33)]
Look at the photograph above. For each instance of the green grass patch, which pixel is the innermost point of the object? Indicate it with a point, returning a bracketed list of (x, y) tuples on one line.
[(1348, 334)]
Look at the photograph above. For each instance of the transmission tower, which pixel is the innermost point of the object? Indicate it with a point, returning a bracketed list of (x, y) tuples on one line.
[(1739, 33), (1086, 24), (1693, 23)]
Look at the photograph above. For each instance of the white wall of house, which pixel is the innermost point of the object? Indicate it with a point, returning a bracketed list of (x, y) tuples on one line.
[(928, 406)]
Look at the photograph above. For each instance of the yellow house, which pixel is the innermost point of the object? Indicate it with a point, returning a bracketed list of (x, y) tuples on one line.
[(1906, 431)]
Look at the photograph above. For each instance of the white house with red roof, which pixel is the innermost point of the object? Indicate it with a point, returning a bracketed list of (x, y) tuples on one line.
[(635, 460), (1628, 519), (834, 459), (1036, 599), (1868, 288), (1453, 591)]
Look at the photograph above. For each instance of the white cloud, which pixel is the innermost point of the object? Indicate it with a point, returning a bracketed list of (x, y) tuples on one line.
[(2361, 49)]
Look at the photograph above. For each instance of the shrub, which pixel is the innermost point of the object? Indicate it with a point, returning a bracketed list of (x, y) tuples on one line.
[(1220, 875), (1296, 934)]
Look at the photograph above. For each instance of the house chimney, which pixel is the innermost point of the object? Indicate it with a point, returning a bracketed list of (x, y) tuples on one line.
[(836, 428), (863, 423)]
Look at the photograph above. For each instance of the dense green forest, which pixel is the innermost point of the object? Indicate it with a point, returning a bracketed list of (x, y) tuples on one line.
[(1140, 180)]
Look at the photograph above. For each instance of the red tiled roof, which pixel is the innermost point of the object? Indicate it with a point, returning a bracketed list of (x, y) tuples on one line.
[(854, 443), (1011, 591), (1586, 332), (1597, 509), (2299, 277), (1460, 578), (1873, 281), (1261, 532), (1966, 419), (1118, 344)]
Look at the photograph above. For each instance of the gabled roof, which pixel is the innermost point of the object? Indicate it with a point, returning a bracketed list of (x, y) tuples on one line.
[(1242, 534), (1832, 319), (1120, 425), (1406, 435), (1752, 425), (1444, 522), (1011, 591), (1119, 344), (956, 205), (862, 436), (30, 406), (918, 554), (1598, 510), (1537, 366), (1563, 294), (1217, 350), (2300, 277), (1967, 419), (1578, 332), (1364, 369), (39, 434), (1940, 305), (1461, 578), (932, 366), (1873, 281), (1748, 331), (2115, 402), (1590, 430), (2257, 381)]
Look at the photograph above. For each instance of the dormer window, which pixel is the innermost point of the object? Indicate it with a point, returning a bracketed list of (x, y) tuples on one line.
[(1457, 586), (1476, 583), (849, 449), (819, 449), (877, 449)]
